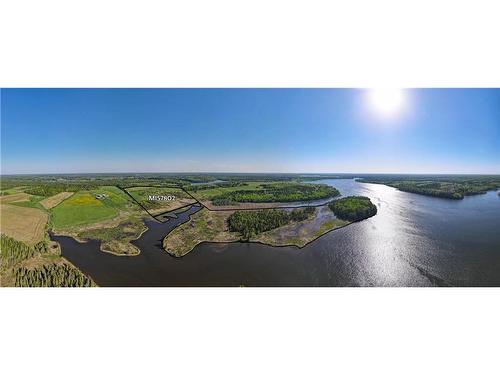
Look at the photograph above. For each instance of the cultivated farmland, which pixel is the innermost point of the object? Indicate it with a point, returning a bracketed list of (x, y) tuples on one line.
[(54, 200), (88, 207), (23, 223)]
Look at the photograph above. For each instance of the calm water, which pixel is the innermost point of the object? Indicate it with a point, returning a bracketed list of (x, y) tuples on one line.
[(413, 240)]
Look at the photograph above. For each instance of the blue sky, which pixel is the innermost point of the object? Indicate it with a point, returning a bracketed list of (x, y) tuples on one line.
[(247, 130)]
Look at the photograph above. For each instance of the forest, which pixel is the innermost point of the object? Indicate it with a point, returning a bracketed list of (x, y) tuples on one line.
[(59, 275), (251, 223), (353, 208), (13, 251), (280, 192), (451, 187), (207, 186), (48, 190)]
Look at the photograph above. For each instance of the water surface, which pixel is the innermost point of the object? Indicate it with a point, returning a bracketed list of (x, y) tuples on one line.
[(414, 240)]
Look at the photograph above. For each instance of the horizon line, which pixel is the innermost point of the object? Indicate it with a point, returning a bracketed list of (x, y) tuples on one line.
[(247, 173)]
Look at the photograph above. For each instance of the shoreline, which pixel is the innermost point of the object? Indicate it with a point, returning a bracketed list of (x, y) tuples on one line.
[(298, 247)]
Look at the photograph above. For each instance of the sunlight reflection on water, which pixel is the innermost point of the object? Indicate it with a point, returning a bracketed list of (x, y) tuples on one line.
[(413, 240), (416, 240)]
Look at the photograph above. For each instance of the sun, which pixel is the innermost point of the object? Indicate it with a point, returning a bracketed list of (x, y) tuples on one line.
[(387, 102)]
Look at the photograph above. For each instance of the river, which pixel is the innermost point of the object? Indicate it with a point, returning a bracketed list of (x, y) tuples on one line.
[(414, 240)]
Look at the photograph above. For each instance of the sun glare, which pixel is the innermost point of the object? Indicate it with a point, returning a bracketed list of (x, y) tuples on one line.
[(387, 102)]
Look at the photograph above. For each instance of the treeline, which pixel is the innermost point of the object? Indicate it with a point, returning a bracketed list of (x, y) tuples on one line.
[(47, 190), (251, 223), (282, 192), (208, 186), (13, 251), (353, 208), (444, 190), (434, 190), (223, 202), (52, 275), (451, 187)]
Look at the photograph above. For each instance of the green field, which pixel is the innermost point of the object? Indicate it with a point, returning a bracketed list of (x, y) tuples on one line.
[(11, 190), (33, 202), (141, 194), (84, 207)]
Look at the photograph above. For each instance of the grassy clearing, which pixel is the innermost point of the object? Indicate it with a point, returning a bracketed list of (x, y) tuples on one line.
[(179, 198), (117, 239), (213, 226), (301, 233), (330, 225), (85, 208), (23, 223), (33, 201), (11, 191), (54, 200), (204, 225)]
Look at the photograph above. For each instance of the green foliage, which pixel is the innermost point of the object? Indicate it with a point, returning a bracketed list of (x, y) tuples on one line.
[(52, 275), (141, 194), (250, 223), (451, 187), (353, 208), (279, 192), (13, 251), (223, 202), (201, 178), (208, 186), (126, 231), (81, 209), (48, 190), (85, 208), (32, 202)]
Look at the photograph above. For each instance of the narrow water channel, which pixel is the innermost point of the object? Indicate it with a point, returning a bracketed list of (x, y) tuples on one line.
[(413, 240)]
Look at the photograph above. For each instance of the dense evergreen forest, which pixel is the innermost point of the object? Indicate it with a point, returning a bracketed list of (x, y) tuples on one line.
[(282, 192), (251, 223), (353, 208), (13, 251), (59, 275)]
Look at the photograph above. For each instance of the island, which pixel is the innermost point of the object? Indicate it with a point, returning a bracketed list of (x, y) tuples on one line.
[(273, 209), (276, 227), (353, 208)]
